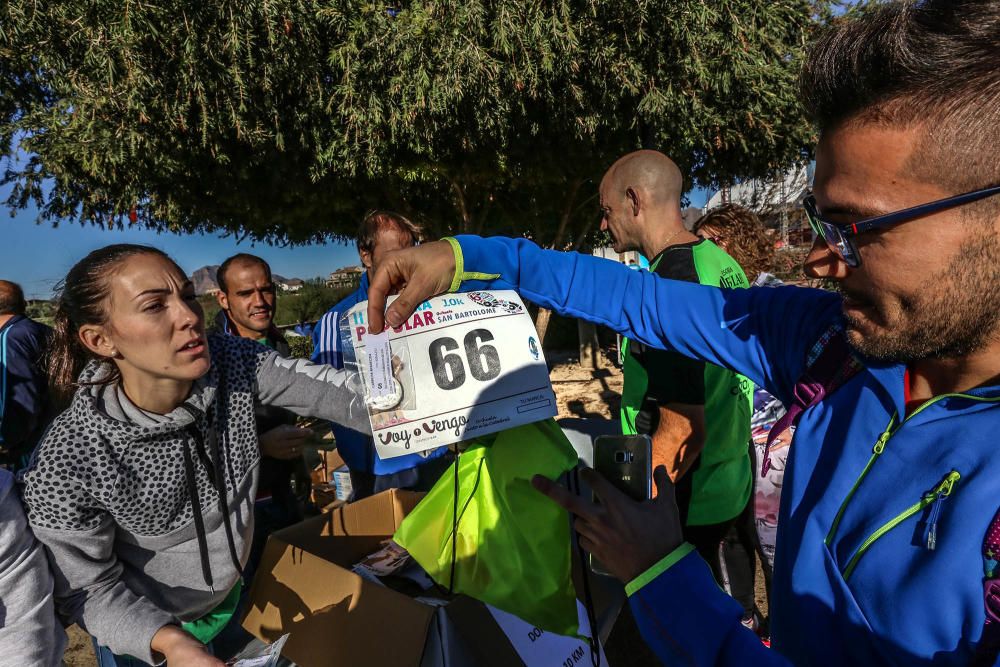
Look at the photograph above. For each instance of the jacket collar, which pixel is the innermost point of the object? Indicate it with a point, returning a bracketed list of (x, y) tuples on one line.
[(12, 321), (226, 326), (890, 377)]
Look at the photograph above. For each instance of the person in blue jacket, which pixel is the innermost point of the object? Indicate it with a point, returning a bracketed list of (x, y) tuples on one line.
[(380, 232), (893, 479), (24, 396)]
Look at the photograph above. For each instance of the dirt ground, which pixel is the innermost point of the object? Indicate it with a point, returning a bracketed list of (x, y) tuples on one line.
[(80, 653), (580, 392)]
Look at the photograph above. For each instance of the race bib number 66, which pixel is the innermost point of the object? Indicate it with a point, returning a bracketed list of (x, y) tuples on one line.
[(462, 366)]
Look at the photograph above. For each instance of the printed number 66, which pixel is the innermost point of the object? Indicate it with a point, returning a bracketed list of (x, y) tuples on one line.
[(449, 371)]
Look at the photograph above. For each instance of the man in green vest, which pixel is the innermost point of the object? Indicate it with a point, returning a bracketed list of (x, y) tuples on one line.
[(697, 414)]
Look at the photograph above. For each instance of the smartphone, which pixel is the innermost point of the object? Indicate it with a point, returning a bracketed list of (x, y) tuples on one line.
[(625, 461)]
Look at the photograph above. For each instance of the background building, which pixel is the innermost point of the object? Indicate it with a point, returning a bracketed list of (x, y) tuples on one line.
[(348, 276), (777, 201)]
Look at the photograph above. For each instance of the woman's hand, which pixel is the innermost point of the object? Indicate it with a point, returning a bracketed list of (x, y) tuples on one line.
[(181, 649)]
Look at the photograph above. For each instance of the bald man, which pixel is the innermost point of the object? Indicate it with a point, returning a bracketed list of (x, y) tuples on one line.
[(24, 403), (697, 414)]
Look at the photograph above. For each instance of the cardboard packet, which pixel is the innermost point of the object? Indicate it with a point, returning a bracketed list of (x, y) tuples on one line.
[(387, 560), (266, 657)]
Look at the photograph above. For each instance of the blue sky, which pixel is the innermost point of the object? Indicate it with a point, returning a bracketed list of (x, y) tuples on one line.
[(38, 256)]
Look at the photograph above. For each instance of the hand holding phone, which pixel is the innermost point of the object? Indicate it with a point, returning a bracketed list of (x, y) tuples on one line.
[(628, 537), (626, 462)]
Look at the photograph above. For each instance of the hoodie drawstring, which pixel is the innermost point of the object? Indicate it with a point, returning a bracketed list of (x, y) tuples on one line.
[(199, 521), (224, 502), (214, 470)]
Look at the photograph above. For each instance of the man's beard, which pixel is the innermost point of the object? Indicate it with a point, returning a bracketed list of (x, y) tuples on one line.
[(955, 314)]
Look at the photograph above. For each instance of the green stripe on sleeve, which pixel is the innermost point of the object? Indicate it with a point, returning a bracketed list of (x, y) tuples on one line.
[(456, 248), (659, 568), (460, 274)]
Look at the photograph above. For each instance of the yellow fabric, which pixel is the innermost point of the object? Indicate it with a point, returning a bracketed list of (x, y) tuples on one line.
[(461, 275), (513, 543)]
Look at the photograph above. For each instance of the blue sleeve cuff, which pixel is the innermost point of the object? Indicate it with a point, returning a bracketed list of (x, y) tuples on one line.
[(659, 568), (686, 619), (461, 275)]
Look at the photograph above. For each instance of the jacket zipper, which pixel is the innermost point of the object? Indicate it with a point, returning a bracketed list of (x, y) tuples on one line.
[(880, 444), (935, 497), (876, 452), (937, 502)]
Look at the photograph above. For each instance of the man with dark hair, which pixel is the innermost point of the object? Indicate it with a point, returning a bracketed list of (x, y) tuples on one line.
[(24, 398), (380, 232), (247, 298), (887, 551)]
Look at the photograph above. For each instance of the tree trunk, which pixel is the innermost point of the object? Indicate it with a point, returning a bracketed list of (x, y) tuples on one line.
[(542, 324), (590, 349)]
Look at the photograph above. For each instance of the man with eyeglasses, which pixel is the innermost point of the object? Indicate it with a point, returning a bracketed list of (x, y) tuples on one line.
[(883, 553)]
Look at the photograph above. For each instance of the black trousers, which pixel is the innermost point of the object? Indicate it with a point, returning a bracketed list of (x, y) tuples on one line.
[(730, 547)]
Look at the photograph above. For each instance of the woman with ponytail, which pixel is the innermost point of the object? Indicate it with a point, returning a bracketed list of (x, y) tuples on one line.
[(143, 487)]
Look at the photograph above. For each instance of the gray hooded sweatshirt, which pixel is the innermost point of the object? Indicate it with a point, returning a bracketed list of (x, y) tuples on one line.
[(30, 634), (148, 518)]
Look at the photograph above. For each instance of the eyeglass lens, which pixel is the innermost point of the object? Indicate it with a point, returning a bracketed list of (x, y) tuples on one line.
[(831, 234)]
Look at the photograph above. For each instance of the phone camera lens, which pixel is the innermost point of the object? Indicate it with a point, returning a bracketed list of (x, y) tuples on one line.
[(622, 457)]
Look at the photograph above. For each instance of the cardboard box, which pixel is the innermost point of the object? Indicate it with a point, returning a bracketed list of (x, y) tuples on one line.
[(332, 506), (317, 475), (305, 587)]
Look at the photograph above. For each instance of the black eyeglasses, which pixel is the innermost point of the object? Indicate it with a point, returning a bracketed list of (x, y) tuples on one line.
[(839, 237)]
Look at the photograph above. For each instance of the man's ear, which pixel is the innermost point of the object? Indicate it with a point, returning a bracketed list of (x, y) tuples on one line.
[(223, 300), (95, 338), (633, 201), (366, 258)]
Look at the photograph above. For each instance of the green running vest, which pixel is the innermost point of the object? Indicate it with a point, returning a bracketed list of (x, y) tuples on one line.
[(721, 483)]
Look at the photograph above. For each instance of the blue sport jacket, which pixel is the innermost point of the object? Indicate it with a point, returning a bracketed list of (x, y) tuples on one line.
[(882, 518), (23, 384), (356, 448)]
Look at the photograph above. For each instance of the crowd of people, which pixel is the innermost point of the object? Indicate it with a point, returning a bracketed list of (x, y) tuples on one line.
[(153, 456)]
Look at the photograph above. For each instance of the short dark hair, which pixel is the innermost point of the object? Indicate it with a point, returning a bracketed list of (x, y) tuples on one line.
[(930, 63), (375, 221), (11, 298), (239, 258)]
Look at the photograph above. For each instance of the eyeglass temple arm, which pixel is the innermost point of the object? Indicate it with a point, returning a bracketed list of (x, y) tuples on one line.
[(921, 210)]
